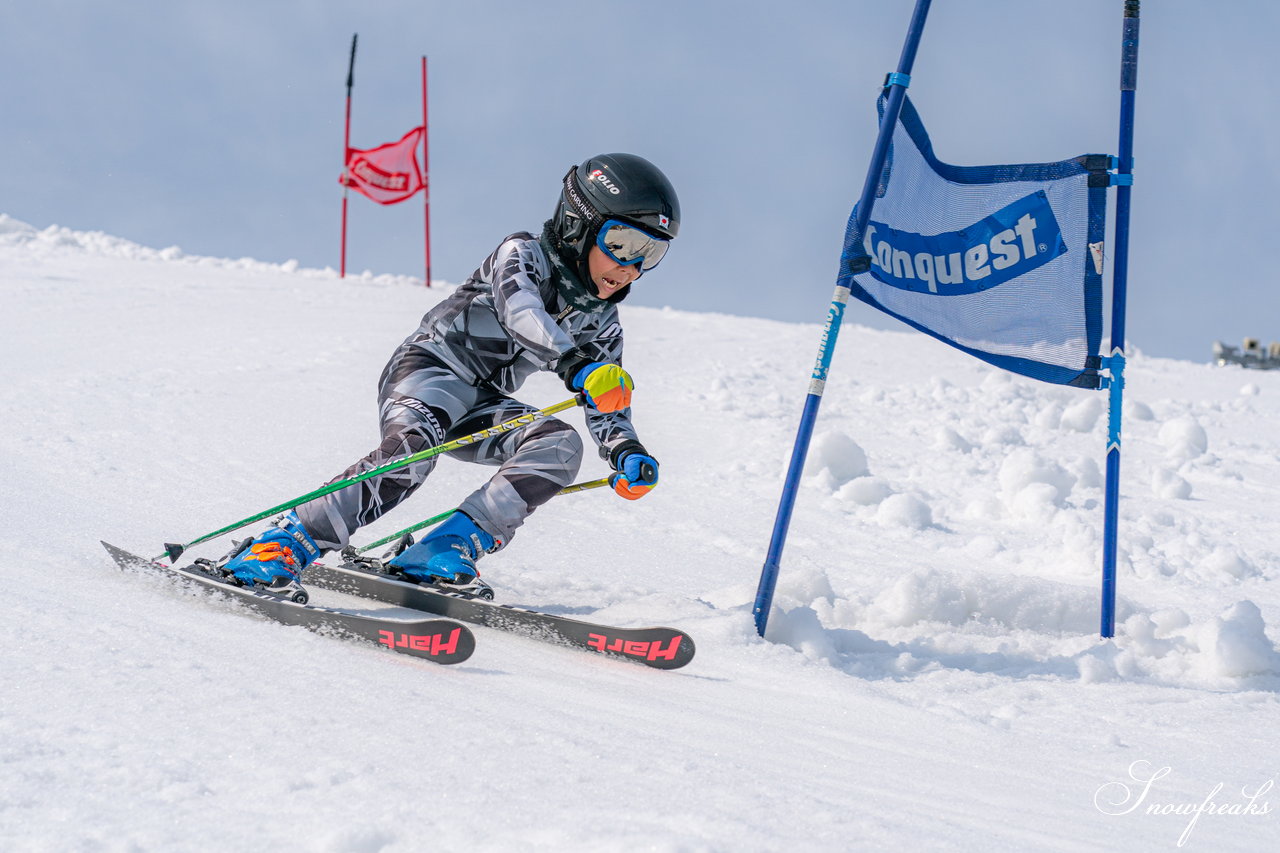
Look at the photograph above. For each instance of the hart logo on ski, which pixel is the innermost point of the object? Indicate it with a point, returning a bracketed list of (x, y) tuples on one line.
[(432, 644), (437, 640), (635, 648), (656, 647)]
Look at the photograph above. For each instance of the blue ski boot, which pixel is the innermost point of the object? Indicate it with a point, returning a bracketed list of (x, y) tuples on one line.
[(447, 557), (275, 559)]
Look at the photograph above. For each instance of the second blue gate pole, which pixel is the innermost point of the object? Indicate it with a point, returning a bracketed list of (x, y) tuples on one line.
[(1119, 294)]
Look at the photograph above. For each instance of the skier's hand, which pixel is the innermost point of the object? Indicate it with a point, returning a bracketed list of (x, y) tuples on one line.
[(635, 475), (607, 387)]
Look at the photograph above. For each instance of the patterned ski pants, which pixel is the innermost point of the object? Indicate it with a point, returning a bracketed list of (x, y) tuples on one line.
[(423, 404)]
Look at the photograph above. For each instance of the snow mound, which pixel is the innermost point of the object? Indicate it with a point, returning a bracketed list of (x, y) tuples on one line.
[(1235, 645), (1231, 650), (835, 459), (13, 231), (906, 511), (1227, 562), (947, 438), (1038, 624), (1083, 415), (1184, 438), (1014, 602), (1025, 470), (1167, 484), (1136, 410), (864, 491)]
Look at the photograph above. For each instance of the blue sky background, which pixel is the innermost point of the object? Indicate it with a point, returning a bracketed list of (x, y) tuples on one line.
[(217, 127)]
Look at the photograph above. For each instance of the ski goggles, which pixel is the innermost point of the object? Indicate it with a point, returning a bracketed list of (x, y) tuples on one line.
[(626, 244)]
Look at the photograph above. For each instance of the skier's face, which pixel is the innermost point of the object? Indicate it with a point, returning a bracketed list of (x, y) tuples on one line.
[(607, 275)]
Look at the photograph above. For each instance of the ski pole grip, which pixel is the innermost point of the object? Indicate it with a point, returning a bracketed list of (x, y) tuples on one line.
[(648, 473)]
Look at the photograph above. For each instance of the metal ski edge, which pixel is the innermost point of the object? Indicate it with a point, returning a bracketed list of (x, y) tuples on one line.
[(440, 641), (656, 647)]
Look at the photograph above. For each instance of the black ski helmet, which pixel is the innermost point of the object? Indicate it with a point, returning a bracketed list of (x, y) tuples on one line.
[(613, 186)]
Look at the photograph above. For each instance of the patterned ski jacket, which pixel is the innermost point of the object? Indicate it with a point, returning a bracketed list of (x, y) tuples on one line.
[(509, 320)]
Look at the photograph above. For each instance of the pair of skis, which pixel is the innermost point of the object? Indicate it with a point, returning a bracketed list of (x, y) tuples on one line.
[(443, 639)]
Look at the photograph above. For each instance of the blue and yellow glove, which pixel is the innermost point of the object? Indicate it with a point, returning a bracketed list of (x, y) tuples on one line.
[(635, 471), (607, 387)]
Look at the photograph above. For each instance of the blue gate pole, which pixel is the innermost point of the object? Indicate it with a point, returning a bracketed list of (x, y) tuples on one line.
[(1119, 287), (897, 84)]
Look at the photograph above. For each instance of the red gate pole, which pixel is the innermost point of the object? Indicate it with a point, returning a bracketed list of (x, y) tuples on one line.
[(426, 174), (346, 149)]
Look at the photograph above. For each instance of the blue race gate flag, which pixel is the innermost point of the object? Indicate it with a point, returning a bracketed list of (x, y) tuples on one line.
[(1003, 262)]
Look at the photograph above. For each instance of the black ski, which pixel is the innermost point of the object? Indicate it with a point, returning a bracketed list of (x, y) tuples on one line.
[(438, 640), (661, 648)]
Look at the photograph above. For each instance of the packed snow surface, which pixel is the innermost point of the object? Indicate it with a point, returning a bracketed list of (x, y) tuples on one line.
[(932, 676)]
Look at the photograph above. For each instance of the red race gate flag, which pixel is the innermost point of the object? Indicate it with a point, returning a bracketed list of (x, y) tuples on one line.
[(386, 174)]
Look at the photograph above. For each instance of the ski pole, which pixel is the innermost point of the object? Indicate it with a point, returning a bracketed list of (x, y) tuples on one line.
[(173, 550), (567, 490), (590, 484), (647, 471)]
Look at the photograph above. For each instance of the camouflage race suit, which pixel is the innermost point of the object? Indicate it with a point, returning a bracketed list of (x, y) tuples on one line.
[(453, 377)]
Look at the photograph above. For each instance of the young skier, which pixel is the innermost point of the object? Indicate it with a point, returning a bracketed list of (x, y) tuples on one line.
[(536, 303)]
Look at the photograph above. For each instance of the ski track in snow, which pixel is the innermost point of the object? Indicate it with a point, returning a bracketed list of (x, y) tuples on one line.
[(932, 677)]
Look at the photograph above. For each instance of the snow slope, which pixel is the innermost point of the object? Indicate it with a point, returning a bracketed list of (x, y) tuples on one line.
[(932, 678)]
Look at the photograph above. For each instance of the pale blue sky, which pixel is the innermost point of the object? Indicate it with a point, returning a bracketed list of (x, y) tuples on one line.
[(217, 127)]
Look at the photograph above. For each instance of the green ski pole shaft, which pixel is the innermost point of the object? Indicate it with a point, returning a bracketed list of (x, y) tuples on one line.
[(436, 519), (173, 551)]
